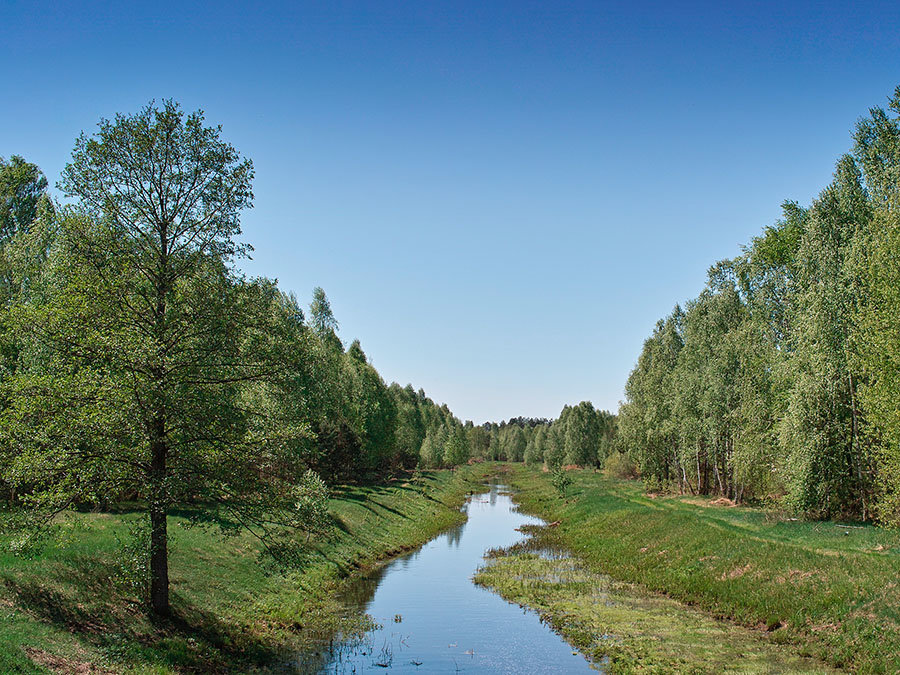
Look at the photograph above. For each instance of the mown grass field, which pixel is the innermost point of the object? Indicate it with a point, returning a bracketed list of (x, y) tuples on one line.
[(827, 591), (70, 610)]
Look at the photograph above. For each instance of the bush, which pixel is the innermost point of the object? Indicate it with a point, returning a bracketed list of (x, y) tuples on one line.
[(620, 465), (311, 503), (561, 481)]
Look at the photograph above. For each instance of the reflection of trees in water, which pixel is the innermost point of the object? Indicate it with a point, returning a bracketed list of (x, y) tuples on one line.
[(455, 535), (362, 590)]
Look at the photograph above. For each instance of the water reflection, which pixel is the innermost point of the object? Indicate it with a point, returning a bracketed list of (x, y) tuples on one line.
[(431, 617)]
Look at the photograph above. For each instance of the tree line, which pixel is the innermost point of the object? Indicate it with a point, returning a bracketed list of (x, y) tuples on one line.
[(581, 436), (781, 380)]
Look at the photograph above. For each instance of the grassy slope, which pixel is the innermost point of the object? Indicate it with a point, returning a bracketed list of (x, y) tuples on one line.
[(233, 611), (626, 629), (830, 591)]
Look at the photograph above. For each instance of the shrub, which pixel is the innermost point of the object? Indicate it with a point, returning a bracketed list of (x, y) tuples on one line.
[(561, 481), (311, 503), (620, 465)]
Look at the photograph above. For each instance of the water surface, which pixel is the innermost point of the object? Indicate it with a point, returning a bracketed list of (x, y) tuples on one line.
[(434, 619)]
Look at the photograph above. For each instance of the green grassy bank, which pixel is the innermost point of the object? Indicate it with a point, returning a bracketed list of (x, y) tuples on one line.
[(70, 609), (825, 591)]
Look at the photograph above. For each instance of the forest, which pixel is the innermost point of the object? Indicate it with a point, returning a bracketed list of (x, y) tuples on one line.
[(780, 381)]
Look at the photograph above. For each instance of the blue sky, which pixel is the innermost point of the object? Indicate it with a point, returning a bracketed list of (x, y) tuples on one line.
[(499, 198)]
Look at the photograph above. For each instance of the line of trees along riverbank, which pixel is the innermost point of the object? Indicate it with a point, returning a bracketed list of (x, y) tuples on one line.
[(138, 364), (783, 376)]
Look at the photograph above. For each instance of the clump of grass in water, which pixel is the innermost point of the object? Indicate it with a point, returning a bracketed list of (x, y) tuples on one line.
[(386, 657)]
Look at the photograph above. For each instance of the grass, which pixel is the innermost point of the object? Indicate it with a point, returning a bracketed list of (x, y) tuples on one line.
[(623, 629), (825, 590), (69, 610)]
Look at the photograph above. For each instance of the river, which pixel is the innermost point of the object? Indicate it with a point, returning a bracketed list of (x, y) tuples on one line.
[(433, 619)]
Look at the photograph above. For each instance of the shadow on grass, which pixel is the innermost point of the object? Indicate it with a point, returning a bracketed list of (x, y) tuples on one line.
[(338, 523), (83, 599), (366, 498), (362, 493)]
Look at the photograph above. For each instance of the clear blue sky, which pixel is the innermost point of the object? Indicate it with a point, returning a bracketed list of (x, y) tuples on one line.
[(500, 198)]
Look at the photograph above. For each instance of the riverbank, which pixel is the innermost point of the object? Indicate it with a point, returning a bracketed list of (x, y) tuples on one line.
[(71, 609), (824, 591)]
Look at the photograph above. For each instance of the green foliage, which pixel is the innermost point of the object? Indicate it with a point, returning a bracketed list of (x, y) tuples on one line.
[(826, 462), (561, 481), (410, 429), (432, 452), (646, 421), (320, 313), (582, 435), (23, 191), (310, 495), (516, 444), (479, 442), (620, 465), (456, 447), (147, 366), (877, 340), (554, 447), (780, 378), (534, 451), (372, 410)]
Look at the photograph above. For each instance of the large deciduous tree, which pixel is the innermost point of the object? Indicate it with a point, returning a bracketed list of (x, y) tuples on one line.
[(152, 368)]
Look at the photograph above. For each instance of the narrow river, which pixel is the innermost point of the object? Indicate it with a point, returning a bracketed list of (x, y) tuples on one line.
[(433, 619)]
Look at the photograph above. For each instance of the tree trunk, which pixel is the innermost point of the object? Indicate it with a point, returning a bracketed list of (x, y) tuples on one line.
[(677, 465), (855, 449), (159, 537), (718, 476), (159, 561), (686, 480), (159, 444), (699, 477)]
